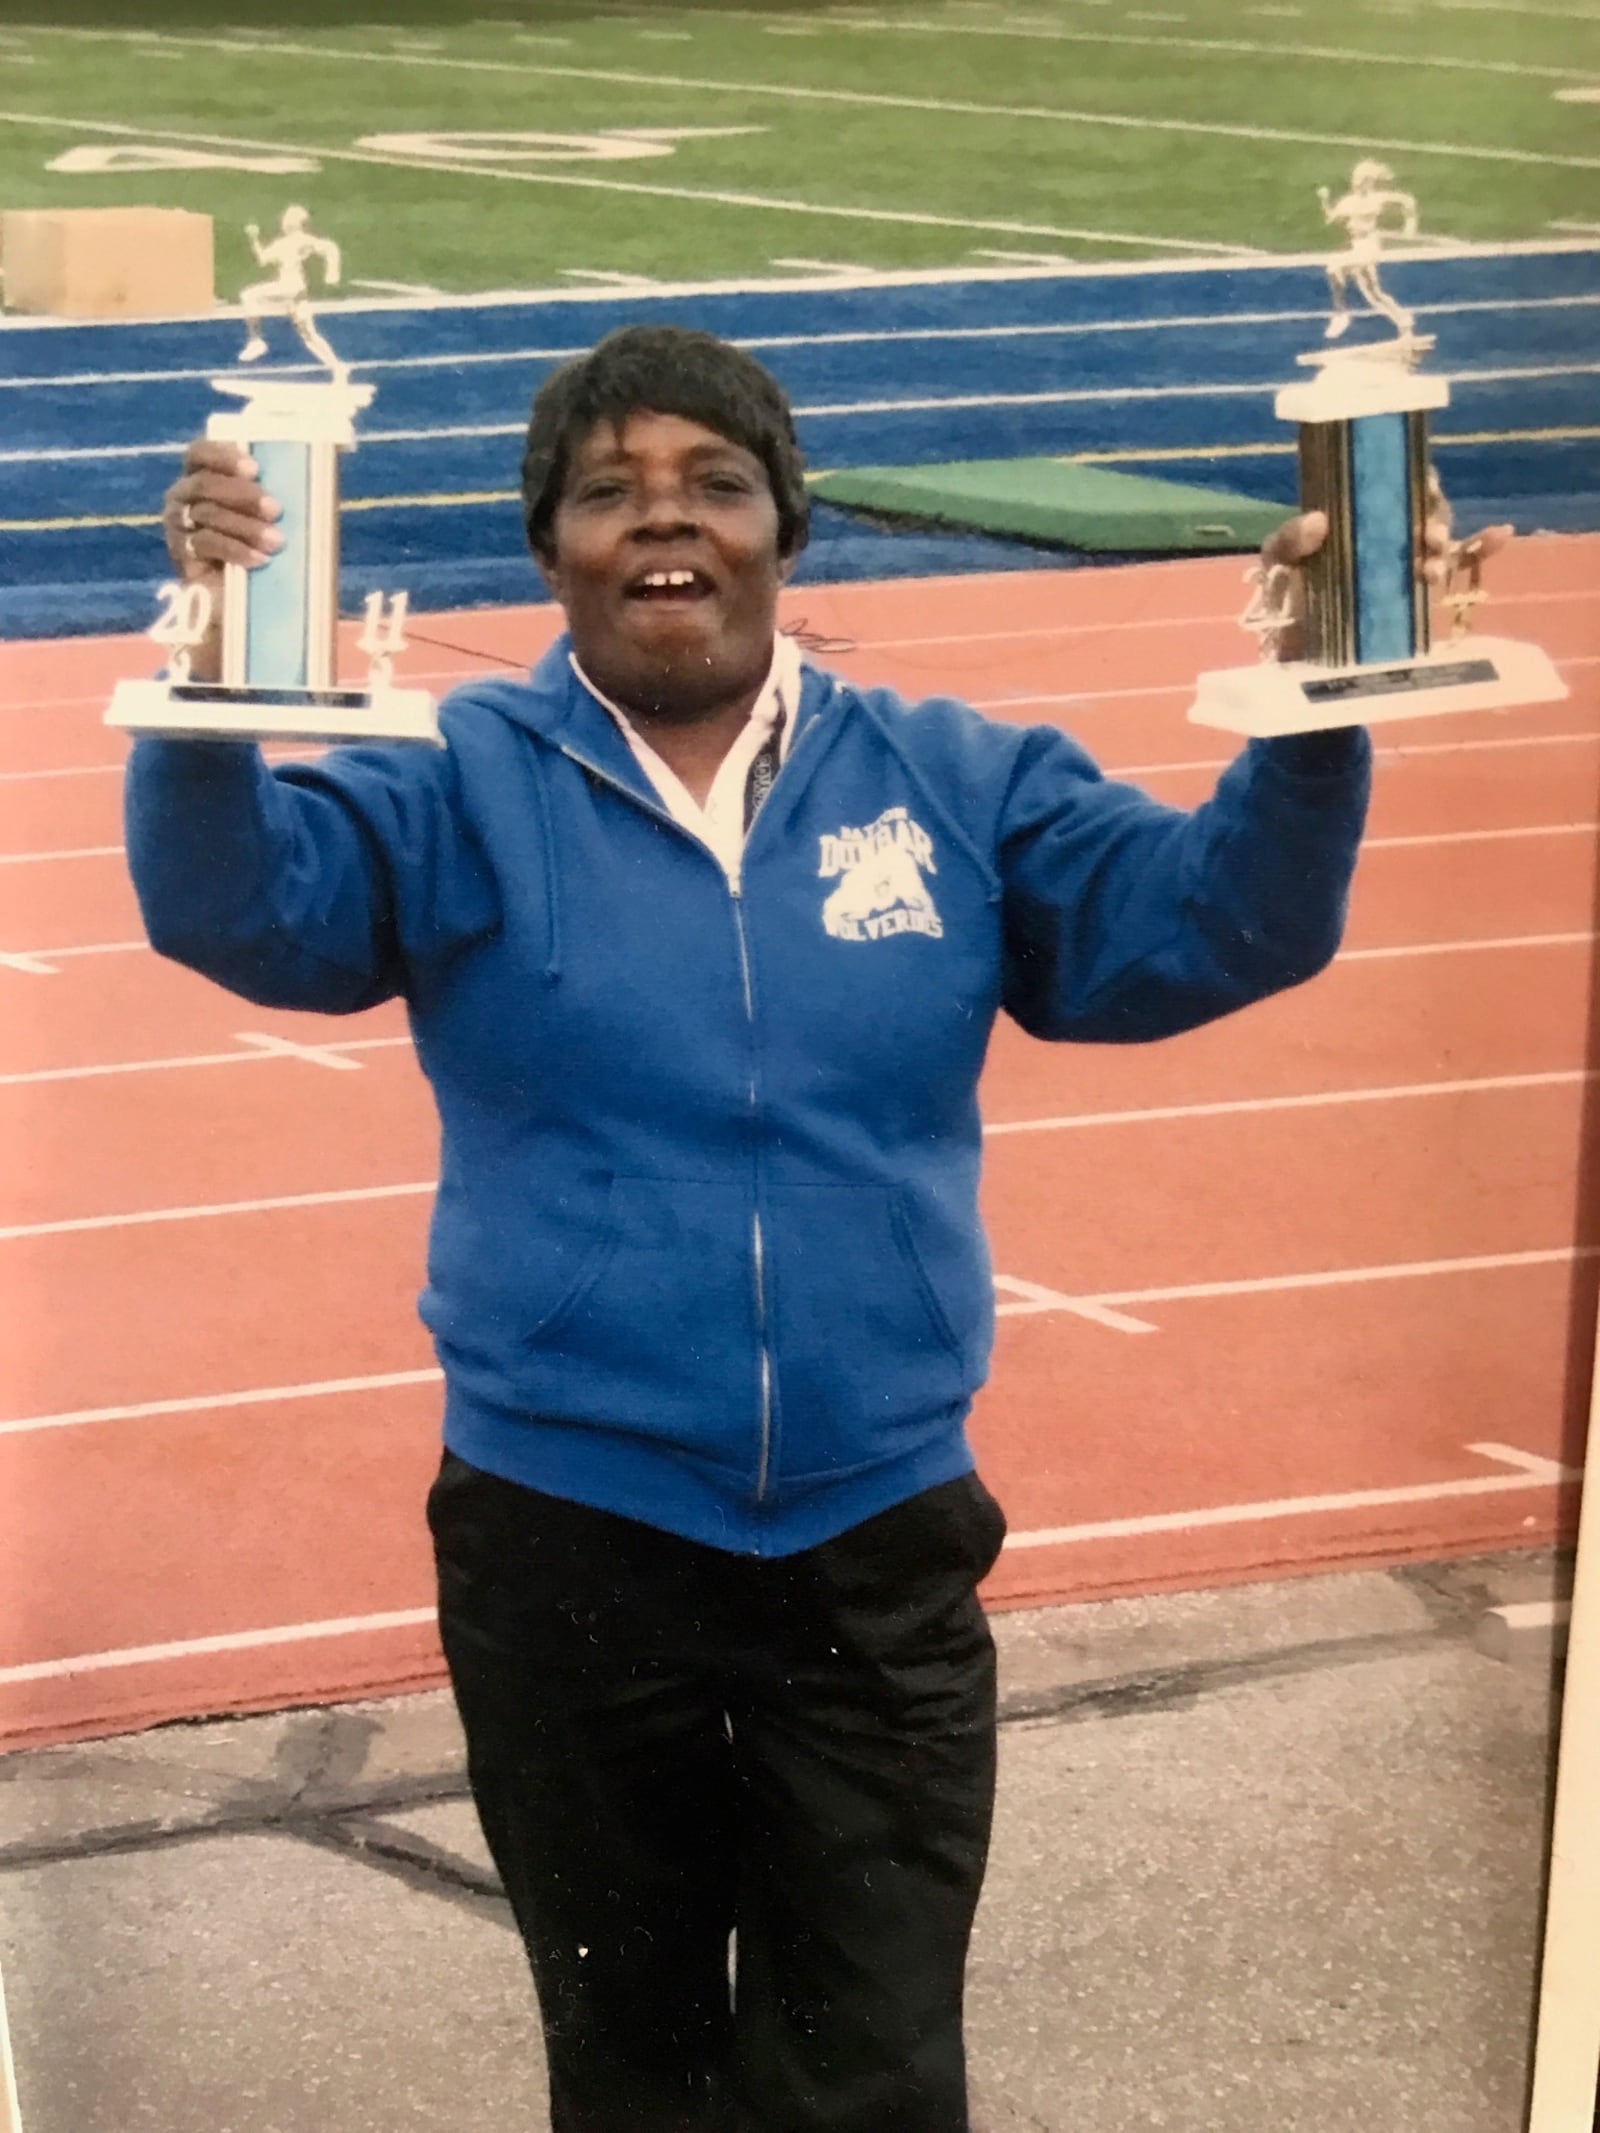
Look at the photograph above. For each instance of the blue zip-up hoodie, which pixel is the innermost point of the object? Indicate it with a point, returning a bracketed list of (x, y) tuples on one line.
[(706, 1249)]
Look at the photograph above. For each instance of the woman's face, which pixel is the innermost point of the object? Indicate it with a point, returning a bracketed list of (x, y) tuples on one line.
[(665, 557)]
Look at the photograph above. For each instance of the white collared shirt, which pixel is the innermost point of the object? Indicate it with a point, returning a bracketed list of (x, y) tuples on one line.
[(720, 822)]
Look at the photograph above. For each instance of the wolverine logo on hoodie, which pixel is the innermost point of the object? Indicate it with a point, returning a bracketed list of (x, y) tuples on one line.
[(882, 891)]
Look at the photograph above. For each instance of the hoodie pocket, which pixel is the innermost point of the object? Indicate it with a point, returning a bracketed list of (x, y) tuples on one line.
[(656, 1332), (878, 1329)]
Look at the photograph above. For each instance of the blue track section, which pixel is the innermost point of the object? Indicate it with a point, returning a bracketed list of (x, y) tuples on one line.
[(1165, 371)]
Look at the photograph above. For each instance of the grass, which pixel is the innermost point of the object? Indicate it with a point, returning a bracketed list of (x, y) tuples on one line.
[(1109, 132)]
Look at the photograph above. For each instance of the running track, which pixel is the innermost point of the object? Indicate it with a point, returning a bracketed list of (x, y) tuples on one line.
[(1311, 1287)]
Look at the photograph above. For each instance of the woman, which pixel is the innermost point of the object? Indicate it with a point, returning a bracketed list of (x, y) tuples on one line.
[(702, 947)]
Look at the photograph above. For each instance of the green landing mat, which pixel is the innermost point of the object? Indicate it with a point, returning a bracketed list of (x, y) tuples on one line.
[(1057, 501)]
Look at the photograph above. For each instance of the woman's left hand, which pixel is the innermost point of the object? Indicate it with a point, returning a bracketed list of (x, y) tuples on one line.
[(1290, 546)]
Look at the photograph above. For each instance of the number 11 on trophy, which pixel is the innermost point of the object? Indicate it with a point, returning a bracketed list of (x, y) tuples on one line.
[(1366, 628), (279, 678)]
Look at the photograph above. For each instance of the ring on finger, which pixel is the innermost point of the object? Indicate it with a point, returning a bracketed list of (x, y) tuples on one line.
[(186, 519), (189, 547)]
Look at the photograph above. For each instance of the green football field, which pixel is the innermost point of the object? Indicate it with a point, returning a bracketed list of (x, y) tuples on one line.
[(460, 150)]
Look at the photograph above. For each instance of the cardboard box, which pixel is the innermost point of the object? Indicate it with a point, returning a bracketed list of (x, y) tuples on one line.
[(108, 262)]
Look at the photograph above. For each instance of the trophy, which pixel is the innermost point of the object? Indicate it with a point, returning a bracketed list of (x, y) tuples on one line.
[(1363, 443), (279, 619)]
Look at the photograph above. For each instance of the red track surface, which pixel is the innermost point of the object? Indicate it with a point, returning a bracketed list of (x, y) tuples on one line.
[(1171, 1389)]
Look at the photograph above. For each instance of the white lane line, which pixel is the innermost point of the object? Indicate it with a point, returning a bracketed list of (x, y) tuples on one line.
[(1472, 947), (244, 1640), (795, 92), (1104, 1308), (77, 1224), (894, 338), (42, 962), (35, 961), (1313, 1100), (831, 410), (487, 668), (797, 601), (99, 701), (763, 202), (1212, 618), (205, 1402), (1146, 692), (72, 770), (1531, 1472), (1399, 752), (252, 1057), (1341, 1277), (322, 1055), (1028, 1297), (1479, 836), (86, 851), (1096, 393)]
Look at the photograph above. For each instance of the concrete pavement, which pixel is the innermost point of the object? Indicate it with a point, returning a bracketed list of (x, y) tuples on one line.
[(1267, 1857)]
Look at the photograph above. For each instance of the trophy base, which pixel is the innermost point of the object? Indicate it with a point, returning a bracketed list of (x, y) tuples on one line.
[(1295, 696), (208, 711)]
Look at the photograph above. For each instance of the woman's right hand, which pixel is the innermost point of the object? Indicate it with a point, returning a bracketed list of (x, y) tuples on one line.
[(215, 513)]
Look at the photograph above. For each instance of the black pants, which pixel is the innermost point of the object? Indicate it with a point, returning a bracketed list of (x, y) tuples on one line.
[(669, 1745)]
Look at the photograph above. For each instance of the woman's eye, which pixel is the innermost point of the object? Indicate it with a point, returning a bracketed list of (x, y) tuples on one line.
[(729, 485), (599, 492)]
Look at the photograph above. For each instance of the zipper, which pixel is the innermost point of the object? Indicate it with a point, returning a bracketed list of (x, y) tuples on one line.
[(757, 1241)]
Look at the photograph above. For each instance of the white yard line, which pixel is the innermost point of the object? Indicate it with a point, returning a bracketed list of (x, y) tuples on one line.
[(792, 91), (1532, 1472), (553, 295), (1511, 7), (763, 202), (1286, 51)]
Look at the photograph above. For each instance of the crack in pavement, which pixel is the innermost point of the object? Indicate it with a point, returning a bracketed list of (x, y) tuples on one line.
[(317, 1796)]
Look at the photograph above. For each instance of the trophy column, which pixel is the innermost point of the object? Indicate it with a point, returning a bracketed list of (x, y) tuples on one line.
[(279, 622), (1363, 444), (1367, 471)]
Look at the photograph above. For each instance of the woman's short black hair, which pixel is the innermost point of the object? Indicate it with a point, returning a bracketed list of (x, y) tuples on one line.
[(662, 370)]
